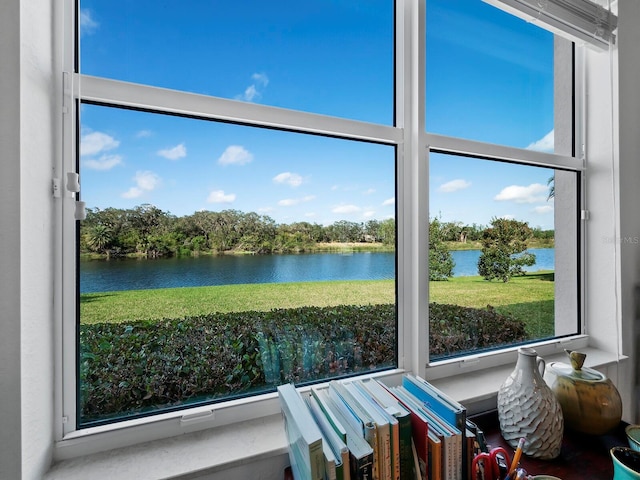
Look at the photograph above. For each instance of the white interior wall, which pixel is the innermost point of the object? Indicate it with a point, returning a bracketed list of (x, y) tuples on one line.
[(628, 127), (10, 394), (613, 148), (29, 147), (40, 146)]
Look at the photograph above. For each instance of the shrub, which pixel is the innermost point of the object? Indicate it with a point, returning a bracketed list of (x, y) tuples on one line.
[(129, 369), (141, 366), (454, 329)]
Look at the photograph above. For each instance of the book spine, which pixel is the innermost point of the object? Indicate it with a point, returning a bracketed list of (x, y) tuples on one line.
[(317, 463), (362, 468), (405, 453)]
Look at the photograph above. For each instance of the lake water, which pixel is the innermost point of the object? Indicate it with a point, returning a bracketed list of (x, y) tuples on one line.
[(135, 274)]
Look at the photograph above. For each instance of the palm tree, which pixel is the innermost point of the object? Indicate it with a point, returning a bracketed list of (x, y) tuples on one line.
[(99, 238), (552, 187)]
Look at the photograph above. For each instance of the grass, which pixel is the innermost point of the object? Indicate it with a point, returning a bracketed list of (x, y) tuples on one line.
[(528, 298), (116, 307)]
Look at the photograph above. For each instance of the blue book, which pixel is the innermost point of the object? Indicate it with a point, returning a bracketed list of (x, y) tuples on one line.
[(448, 409), (444, 406)]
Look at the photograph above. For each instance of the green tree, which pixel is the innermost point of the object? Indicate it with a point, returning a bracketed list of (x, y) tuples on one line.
[(99, 238), (440, 260), (387, 231), (504, 250)]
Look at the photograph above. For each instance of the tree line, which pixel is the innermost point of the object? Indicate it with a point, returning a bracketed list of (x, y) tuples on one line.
[(149, 231)]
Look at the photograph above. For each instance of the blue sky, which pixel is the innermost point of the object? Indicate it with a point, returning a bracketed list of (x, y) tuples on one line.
[(489, 78)]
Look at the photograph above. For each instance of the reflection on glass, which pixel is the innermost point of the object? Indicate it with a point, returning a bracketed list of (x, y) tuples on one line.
[(219, 261), (333, 58), (494, 234), (489, 76)]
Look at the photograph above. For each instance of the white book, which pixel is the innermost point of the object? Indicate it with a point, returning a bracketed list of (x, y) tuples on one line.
[(359, 419), (383, 425), (303, 436), (333, 440)]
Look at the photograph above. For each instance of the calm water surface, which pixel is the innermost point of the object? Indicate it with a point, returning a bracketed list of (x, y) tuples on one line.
[(137, 274)]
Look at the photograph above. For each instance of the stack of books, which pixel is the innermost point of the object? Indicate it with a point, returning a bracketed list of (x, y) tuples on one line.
[(363, 429)]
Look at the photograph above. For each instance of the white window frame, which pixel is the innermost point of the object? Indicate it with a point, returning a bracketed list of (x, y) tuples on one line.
[(412, 143), (569, 156)]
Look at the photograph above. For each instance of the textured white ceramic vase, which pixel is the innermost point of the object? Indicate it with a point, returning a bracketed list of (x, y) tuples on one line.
[(528, 408)]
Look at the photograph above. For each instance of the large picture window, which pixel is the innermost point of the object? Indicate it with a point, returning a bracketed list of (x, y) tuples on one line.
[(218, 260), (240, 226), (302, 192), (504, 210)]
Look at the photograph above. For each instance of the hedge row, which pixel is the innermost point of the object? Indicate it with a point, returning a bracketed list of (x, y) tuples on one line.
[(142, 366)]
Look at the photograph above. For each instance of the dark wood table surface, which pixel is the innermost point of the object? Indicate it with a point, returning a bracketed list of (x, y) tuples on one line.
[(582, 457)]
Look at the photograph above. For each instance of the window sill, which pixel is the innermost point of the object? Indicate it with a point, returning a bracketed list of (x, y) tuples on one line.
[(200, 454), (214, 452)]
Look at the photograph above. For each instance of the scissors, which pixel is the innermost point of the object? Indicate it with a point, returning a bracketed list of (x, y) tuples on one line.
[(492, 465)]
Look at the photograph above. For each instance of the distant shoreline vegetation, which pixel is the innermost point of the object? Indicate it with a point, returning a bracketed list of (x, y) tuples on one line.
[(148, 232)]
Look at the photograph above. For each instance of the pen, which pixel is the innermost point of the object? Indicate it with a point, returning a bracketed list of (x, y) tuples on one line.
[(516, 456)]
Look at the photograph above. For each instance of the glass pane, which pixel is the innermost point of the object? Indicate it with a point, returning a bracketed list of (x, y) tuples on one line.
[(219, 260), (489, 76), (327, 57), (503, 257)]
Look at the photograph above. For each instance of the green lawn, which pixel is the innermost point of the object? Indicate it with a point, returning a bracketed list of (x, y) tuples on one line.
[(529, 298), (190, 301)]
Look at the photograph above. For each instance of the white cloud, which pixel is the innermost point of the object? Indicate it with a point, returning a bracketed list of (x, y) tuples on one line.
[(250, 93), (218, 196), (545, 144), (508, 216), (368, 213), (369, 191), (254, 91), (536, 192), (146, 181), (290, 202), (97, 142), (543, 209), (174, 153), (389, 201), (144, 134), (87, 23), (235, 155), (454, 185), (346, 209), (292, 179), (105, 162), (261, 79), (133, 192)]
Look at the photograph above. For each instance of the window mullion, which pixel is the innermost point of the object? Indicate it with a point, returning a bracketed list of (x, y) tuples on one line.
[(462, 146), (117, 93)]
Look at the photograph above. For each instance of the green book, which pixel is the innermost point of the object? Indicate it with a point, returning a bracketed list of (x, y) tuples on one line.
[(333, 440), (403, 454)]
